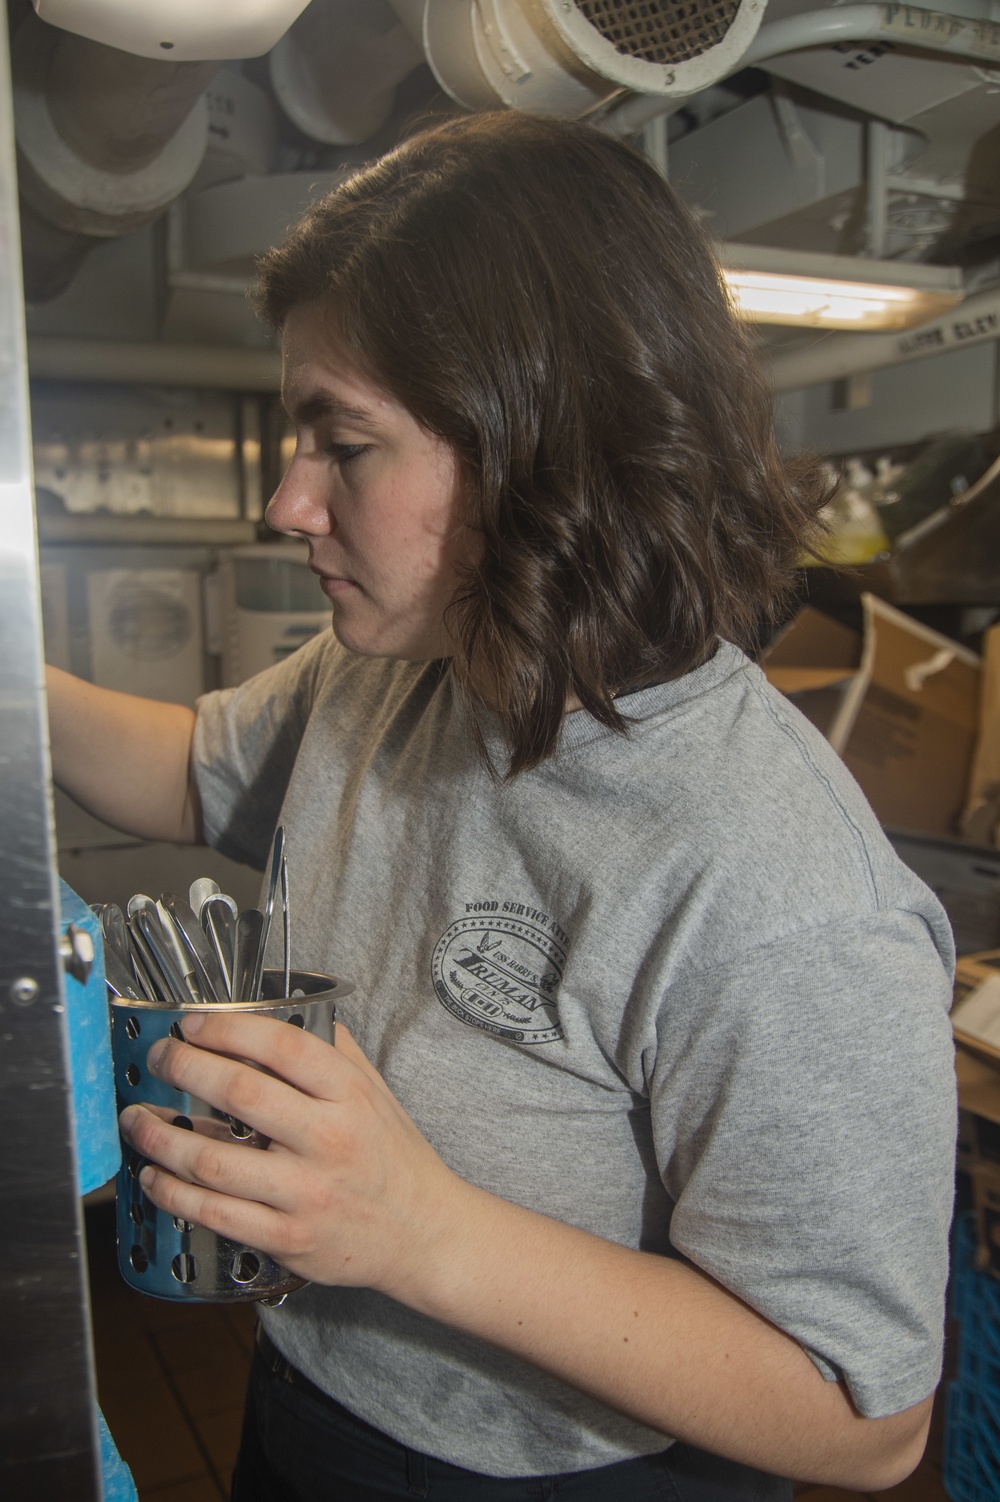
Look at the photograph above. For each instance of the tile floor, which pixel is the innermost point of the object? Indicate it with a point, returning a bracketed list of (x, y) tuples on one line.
[(171, 1381)]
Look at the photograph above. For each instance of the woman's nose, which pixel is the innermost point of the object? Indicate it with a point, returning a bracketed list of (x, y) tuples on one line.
[(298, 506)]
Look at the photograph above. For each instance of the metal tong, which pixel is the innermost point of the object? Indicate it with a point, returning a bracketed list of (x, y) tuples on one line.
[(277, 889)]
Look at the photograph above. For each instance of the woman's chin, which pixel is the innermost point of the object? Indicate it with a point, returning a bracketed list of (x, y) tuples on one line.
[(362, 628)]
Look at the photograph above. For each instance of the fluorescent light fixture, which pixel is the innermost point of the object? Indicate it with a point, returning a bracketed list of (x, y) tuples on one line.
[(835, 292), (765, 297)]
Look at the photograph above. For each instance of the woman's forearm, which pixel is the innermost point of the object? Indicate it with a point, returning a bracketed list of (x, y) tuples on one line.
[(126, 760), (661, 1342)]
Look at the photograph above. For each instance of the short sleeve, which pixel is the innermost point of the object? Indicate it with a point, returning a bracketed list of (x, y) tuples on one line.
[(246, 740), (804, 1116)]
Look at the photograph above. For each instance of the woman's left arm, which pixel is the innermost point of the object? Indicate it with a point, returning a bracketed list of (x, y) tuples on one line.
[(350, 1193)]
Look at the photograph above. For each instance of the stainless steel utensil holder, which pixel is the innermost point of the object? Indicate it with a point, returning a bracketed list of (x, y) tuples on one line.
[(159, 1254)]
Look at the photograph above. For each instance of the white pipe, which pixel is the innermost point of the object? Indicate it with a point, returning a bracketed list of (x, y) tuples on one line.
[(335, 77), (411, 13), (219, 367), (829, 359), (906, 25), (213, 367), (105, 142)]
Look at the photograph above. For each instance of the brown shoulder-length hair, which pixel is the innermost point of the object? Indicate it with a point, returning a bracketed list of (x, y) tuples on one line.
[(533, 292)]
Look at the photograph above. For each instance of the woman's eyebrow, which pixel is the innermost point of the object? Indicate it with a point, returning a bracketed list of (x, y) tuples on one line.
[(321, 406)]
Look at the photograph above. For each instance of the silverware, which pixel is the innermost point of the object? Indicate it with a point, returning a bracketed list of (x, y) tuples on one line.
[(203, 890), (143, 958), (285, 928), (140, 903), (274, 882), (161, 990), (219, 923), (118, 941), (178, 988), (140, 970), (160, 957), (200, 891), (204, 950), (179, 950), (119, 977), (249, 930), (199, 953), (115, 932)]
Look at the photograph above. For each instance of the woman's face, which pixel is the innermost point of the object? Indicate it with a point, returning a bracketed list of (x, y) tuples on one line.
[(377, 498)]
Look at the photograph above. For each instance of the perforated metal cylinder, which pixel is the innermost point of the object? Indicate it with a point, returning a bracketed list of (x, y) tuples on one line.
[(175, 1259)]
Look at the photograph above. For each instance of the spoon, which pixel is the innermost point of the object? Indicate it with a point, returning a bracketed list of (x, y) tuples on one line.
[(178, 988), (178, 948), (200, 891), (198, 950), (118, 976), (143, 958), (117, 941), (219, 923), (115, 932), (249, 928)]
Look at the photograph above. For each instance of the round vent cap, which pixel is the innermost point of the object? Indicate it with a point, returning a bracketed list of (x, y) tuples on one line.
[(568, 57), (658, 46), (660, 31)]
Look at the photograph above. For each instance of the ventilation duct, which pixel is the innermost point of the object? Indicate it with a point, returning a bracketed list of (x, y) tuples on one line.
[(816, 41), (110, 116), (570, 57), (335, 72), (105, 141), (181, 30)]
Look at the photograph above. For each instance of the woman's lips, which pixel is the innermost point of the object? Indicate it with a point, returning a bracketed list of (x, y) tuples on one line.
[(334, 588)]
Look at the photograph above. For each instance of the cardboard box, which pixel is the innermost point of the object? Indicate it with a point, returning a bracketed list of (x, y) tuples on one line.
[(900, 704), (978, 1088), (979, 1106), (981, 818)]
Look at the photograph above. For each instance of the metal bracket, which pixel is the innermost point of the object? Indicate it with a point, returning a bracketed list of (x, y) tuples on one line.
[(76, 950)]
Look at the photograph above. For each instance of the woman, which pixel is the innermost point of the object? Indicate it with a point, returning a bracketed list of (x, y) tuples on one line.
[(642, 1128)]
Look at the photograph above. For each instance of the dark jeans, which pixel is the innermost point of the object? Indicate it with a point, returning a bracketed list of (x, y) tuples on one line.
[(299, 1445)]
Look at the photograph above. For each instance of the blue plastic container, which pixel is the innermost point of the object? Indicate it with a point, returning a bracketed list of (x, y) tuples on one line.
[(98, 1147)]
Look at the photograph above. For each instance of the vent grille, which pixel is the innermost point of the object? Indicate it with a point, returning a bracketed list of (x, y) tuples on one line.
[(660, 31)]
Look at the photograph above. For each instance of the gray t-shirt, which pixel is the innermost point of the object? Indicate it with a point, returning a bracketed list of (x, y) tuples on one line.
[(675, 989)]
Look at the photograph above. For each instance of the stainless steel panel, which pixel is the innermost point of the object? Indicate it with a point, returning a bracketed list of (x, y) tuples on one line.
[(48, 1438), (140, 450)]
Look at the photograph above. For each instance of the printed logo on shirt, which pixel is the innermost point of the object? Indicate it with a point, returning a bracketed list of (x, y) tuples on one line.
[(500, 968)]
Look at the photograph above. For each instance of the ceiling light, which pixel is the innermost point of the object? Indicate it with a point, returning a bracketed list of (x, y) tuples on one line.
[(768, 285), (763, 297)]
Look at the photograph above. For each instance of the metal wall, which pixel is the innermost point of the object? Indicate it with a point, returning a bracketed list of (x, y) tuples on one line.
[(48, 1437), (899, 405)]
